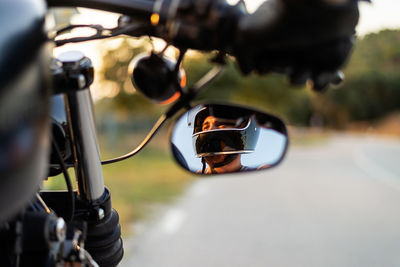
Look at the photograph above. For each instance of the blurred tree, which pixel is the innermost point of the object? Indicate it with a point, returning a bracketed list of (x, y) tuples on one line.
[(372, 86), (270, 93), (371, 89), (114, 73)]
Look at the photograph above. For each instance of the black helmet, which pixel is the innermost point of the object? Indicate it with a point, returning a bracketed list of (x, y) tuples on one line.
[(239, 135)]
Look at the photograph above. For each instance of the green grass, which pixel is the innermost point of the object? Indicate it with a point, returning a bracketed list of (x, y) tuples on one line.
[(150, 178), (308, 137)]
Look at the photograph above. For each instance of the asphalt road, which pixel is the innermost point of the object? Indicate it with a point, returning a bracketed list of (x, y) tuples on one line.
[(337, 204)]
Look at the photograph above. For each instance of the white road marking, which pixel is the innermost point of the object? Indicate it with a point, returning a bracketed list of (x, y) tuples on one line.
[(172, 222), (375, 171)]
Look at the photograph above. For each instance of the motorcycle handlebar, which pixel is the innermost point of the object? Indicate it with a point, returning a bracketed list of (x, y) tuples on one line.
[(136, 8), (281, 36), (190, 24)]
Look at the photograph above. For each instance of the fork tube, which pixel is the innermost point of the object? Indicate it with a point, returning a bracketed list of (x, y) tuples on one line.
[(86, 151)]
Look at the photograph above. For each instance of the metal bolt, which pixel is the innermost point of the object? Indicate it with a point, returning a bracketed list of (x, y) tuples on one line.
[(71, 57), (81, 81), (61, 229), (101, 214), (58, 231)]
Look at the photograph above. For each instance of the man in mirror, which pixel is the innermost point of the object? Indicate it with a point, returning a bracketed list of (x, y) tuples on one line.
[(221, 136)]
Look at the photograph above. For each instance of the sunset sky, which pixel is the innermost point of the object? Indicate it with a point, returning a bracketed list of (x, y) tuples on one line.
[(373, 16)]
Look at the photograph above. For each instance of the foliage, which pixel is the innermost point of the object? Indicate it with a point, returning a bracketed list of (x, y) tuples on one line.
[(114, 73), (371, 90), (372, 87), (270, 93)]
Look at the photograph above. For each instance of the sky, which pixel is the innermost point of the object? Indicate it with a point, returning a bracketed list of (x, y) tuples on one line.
[(374, 16), (379, 14)]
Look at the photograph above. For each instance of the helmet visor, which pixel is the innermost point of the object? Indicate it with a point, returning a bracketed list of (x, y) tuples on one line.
[(224, 142)]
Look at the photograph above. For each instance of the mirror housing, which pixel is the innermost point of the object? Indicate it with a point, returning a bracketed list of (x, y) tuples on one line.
[(219, 138), (155, 77)]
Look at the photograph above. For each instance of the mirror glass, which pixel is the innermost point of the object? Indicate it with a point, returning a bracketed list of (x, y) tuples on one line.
[(216, 139)]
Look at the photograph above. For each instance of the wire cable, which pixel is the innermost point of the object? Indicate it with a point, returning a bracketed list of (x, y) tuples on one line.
[(181, 103), (67, 179), (160, 122)]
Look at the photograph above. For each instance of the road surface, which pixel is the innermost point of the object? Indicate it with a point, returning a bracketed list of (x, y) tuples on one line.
[(336, 204)]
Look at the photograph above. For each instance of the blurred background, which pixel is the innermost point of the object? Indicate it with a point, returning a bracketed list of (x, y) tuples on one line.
[(342, 162)]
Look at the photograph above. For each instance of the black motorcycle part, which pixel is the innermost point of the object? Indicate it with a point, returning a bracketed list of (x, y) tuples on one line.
[(11, 243), (103, 232), (71, 71), (32, 238), (138, 8), (24, 108), (155, 77), (85, 211), (39, 238), (103, 240), (36, 226), (60, 135)]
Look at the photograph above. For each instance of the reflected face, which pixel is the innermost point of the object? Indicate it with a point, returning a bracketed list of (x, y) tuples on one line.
[(213, 160), (212, 123)]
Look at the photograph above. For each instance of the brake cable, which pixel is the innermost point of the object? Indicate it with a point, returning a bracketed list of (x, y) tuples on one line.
[(67, 179)]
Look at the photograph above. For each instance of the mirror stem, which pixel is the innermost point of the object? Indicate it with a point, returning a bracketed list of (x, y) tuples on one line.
[(183, 102)]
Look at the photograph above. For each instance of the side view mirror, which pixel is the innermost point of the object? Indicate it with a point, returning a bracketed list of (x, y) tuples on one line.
[(216, 139)]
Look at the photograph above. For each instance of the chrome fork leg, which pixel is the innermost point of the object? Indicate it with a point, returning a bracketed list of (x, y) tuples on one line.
[(86, 151), (79, 108), (103, 240)]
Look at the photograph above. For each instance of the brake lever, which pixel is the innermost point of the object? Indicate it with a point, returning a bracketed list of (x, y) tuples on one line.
[(132, 29)]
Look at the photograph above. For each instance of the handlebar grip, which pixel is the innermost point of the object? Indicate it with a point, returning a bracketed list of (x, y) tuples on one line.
[(291, 23), (200, 24), (310, 39)]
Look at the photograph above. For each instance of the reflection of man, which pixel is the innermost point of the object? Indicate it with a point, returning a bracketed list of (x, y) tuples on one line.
[(220, 136)]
